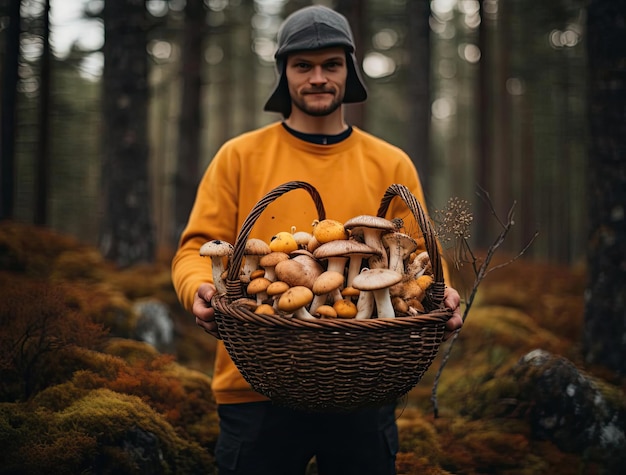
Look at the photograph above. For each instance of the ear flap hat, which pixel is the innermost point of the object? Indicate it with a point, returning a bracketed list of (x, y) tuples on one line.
[(312, 28)]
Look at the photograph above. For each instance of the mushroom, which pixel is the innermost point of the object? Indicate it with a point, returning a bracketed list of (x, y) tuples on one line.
[(276, 289), (408, 288), (255, 248), (345, 308), (415, 307), (372, 228), (356, 252), (350, 292), (325, 311), (217, 250), (257, 273), (425, 281), (311, 266), (419, 265), (283, 242), (365, 305), (265, 309), (269, 261), (400, 305), (328, 230), (325, 286), (295, 300), (334, 254), (378, 281), (297, 272), (302, 237), (313, 244), (400, 247), (258, 288)]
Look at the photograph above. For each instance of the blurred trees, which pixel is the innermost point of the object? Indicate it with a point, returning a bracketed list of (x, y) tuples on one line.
[(486, 93), (189, 124), (127, 233), (10, 55)]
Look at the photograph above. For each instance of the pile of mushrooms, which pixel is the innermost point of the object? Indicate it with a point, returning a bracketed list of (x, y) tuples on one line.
[(363, 268)]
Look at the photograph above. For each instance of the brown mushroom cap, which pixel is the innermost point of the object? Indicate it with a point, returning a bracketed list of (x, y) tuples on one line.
[(277, 288), (258, 285), (257, 273), (327, 282), (325, 311), (345, 308), (295, 298), (273, 258), (349, 292), (265, 309), (295, 272), (269, 262)]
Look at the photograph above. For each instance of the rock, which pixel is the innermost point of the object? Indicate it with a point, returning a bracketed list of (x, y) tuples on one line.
[(154, 324), (567, 407)]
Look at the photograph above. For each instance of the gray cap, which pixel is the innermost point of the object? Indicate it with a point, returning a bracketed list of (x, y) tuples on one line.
[(312, 28)]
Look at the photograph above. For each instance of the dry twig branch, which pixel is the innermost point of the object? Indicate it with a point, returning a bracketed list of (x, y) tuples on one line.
[(480, 272)]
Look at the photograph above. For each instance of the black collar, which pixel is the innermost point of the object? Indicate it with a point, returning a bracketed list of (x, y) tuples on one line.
[(319, 139)]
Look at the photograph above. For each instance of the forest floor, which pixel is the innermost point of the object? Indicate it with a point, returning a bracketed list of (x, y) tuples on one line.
[(79, 393)]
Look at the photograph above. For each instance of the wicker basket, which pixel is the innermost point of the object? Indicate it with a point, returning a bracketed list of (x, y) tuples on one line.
[(331, 365)]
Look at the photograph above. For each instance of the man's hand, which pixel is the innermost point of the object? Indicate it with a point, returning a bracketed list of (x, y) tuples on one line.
[(203, 311), (452, 301)]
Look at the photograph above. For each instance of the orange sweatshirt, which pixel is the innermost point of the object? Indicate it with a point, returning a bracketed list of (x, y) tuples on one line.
[(351, 177)]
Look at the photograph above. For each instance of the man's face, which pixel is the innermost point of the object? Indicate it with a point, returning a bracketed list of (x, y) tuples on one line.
[(317, 80)]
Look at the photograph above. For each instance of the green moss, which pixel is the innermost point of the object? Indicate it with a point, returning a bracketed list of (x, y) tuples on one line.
[(104, 432)]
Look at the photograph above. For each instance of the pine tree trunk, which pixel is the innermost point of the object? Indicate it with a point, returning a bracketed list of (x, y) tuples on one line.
[(418, 89), (8, 117), (190, 122), (127, 233), (605, 312)]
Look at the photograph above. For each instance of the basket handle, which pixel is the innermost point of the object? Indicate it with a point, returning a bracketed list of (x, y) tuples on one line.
[(233, 285), (435, 292)]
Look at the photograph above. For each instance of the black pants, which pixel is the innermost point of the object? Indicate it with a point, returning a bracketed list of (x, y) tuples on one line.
[(263, 439)]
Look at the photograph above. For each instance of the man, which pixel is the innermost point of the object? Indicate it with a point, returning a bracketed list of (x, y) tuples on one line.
[(351, 170)]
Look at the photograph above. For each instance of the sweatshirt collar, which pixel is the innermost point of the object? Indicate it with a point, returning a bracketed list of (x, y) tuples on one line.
[(319, 139)]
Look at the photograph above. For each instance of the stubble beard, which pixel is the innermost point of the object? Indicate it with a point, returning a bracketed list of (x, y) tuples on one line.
[(317, 111)]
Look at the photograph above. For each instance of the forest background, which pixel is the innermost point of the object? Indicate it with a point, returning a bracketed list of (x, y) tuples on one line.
[(107, 141)]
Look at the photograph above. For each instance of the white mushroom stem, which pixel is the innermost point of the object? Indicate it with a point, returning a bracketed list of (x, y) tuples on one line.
[(384, 308), (354, 268), (303, 314), (337, 264), (218, 268), (270, 273), (397, 253), (365, 305), (250, 265), (372, 238)]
